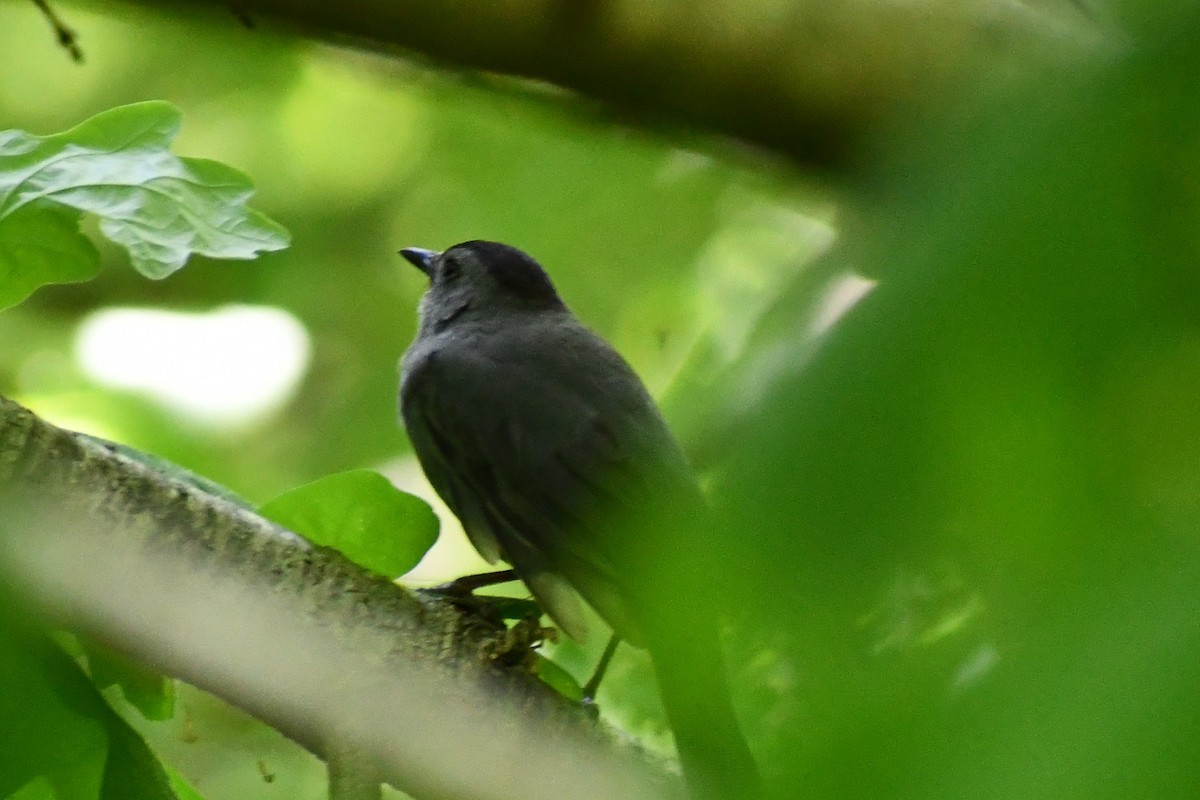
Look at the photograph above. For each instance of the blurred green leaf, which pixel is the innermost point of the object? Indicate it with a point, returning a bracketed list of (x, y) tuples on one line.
[(360, 514), (40, 243), (47, 722), (183, 790), (974, 500), (558, 679), (161, 208), (152, 693), (37, 789), (132, 772), (54, 723)]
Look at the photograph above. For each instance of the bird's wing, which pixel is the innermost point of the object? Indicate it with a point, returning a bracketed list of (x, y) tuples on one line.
[(545, 460), (458, 480), (452, 441)]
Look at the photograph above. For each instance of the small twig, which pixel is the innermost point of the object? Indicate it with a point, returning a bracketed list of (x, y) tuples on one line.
[(67, 38)]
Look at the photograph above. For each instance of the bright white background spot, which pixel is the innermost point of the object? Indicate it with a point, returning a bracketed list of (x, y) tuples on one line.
[(227, 367), (841, 296)]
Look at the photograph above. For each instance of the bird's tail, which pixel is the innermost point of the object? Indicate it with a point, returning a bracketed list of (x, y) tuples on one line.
[(717, 763)]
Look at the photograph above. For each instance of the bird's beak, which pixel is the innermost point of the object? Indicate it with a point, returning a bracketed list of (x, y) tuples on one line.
[(420, 258)]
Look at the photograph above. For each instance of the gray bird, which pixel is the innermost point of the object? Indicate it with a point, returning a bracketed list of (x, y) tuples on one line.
[(548, 448)]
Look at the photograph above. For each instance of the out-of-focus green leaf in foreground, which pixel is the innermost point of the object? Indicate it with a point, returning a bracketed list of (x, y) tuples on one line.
[(971, 518), (161, 208), (59, 737), (559, 679), (360, 514), (150, 692)]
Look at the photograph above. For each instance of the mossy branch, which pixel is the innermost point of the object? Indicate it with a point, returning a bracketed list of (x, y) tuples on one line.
[(298, 636)]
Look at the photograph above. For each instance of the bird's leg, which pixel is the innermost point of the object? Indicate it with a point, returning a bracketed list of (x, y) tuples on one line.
[(493, 610), (516, 647), (590, 688)]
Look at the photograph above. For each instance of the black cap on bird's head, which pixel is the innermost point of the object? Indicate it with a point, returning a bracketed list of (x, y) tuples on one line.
[(486, 273)]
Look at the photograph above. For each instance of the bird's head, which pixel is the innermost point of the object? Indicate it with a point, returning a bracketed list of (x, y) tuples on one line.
[(478, 278)]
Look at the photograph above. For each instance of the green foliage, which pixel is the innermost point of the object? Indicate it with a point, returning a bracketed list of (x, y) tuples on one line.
[(150, 692), (183, 790), (559, 679), (960, 555), (59, 736), (971, 514), (360, 514), (117, 166)]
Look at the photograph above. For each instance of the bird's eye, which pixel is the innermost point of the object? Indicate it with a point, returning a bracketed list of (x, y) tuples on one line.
[(450, 268)]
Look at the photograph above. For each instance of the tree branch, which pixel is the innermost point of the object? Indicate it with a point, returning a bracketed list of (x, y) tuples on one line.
[(306, 641), (813, 79)]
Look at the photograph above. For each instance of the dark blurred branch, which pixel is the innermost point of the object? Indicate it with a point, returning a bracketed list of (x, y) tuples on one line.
[(814, 79), (339, 659)]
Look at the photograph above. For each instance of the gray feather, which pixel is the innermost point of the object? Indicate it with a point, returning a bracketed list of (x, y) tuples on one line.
[(580, 442)]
